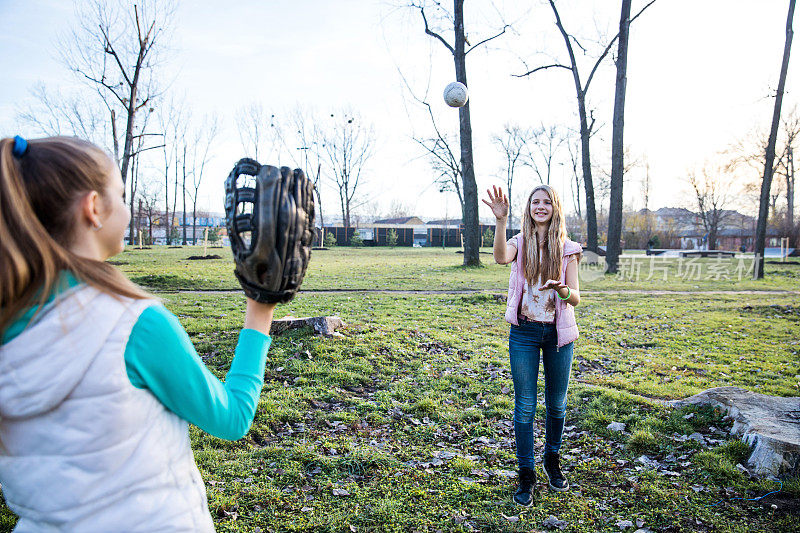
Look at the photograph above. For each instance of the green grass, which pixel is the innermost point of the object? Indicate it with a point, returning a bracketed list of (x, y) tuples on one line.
[(403, 424), (162, 268)]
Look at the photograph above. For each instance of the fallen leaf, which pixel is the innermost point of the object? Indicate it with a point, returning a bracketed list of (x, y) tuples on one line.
[(551, 522)]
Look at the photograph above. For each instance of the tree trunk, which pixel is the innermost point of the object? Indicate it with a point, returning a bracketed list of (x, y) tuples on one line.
[(472, 238), (132, 199), (174, 196), (183, 190), (166, 203), (318, 209), (194, 219), (766, 183), (345, 217), (128, 147), (790, 189), (613, 244), (586, 165)]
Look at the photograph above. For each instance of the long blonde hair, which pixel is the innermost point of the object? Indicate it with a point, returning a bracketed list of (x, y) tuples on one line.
[(549, 265), (39, 192)]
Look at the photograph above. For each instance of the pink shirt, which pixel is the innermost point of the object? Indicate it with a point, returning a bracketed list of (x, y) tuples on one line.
[(535, 304), (566, 327)]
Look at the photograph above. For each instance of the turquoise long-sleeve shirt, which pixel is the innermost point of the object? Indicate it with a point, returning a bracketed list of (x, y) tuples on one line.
[(160, 357)]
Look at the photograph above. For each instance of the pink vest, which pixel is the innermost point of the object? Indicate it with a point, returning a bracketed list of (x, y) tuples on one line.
[(566, 327)]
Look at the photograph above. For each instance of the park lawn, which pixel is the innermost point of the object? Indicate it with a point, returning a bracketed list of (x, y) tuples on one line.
[(162, 268), (404, 423), (409, 413)]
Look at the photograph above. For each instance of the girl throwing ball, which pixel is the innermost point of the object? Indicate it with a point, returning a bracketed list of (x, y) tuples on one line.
[(97, 378), (542, 291)]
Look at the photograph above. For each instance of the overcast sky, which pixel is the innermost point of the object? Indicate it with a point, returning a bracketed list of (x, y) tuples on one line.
[(700, 75)]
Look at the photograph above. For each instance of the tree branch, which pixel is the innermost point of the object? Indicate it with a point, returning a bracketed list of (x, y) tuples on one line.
[(137, 152), (545, 67), (104, 84), (108, 49), (608, 48), (487, 40), (433, 33)]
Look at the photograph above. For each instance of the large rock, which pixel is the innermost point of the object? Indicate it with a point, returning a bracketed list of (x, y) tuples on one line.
[(324, 325), (769, 424)]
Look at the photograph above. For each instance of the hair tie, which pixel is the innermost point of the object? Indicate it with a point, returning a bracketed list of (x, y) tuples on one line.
[(20, 147)]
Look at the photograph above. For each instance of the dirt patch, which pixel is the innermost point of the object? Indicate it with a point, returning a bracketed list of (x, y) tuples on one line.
[(784, 263), (117, 263), (199, 257), (774, 311), (785, 502)]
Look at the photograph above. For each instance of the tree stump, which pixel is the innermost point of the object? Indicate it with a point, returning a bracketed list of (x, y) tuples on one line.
[(769, 424), (323, 325)]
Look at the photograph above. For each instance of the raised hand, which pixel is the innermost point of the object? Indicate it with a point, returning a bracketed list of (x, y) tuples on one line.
[(498, 202)]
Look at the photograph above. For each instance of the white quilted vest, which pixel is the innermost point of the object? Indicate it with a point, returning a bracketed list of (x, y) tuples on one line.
[(81, 449)]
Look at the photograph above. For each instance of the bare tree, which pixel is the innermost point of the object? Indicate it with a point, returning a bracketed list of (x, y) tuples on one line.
[(542, 147), (205, 135), (398, 209), (67, 114), (573, 147), (513, 142), (309, 155), (438, 149), (587, 120), (149, 198), (173, 122), (348, 145), (766, 183), (114, 48), (258, 131), (446, 167), (459, 50), (613, 244), (713, 196), (785, 166)]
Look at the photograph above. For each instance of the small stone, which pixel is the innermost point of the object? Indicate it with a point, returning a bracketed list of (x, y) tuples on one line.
[(551, 522), (616, 426), (624, 524), (698, 437)]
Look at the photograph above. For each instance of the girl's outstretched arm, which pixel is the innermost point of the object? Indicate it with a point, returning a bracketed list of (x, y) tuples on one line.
[(161, 358)]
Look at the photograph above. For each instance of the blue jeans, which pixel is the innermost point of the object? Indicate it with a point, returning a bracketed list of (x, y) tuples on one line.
[(524, 344)]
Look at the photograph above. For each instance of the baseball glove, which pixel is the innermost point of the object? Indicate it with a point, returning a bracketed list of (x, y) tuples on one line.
[(270, 220)]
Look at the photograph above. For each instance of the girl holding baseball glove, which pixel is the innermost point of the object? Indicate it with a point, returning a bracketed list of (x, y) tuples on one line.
[(542, 291), (97, 378)]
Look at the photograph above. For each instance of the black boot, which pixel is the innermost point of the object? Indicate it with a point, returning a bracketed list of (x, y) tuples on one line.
[(555, 479), (527, 480)]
